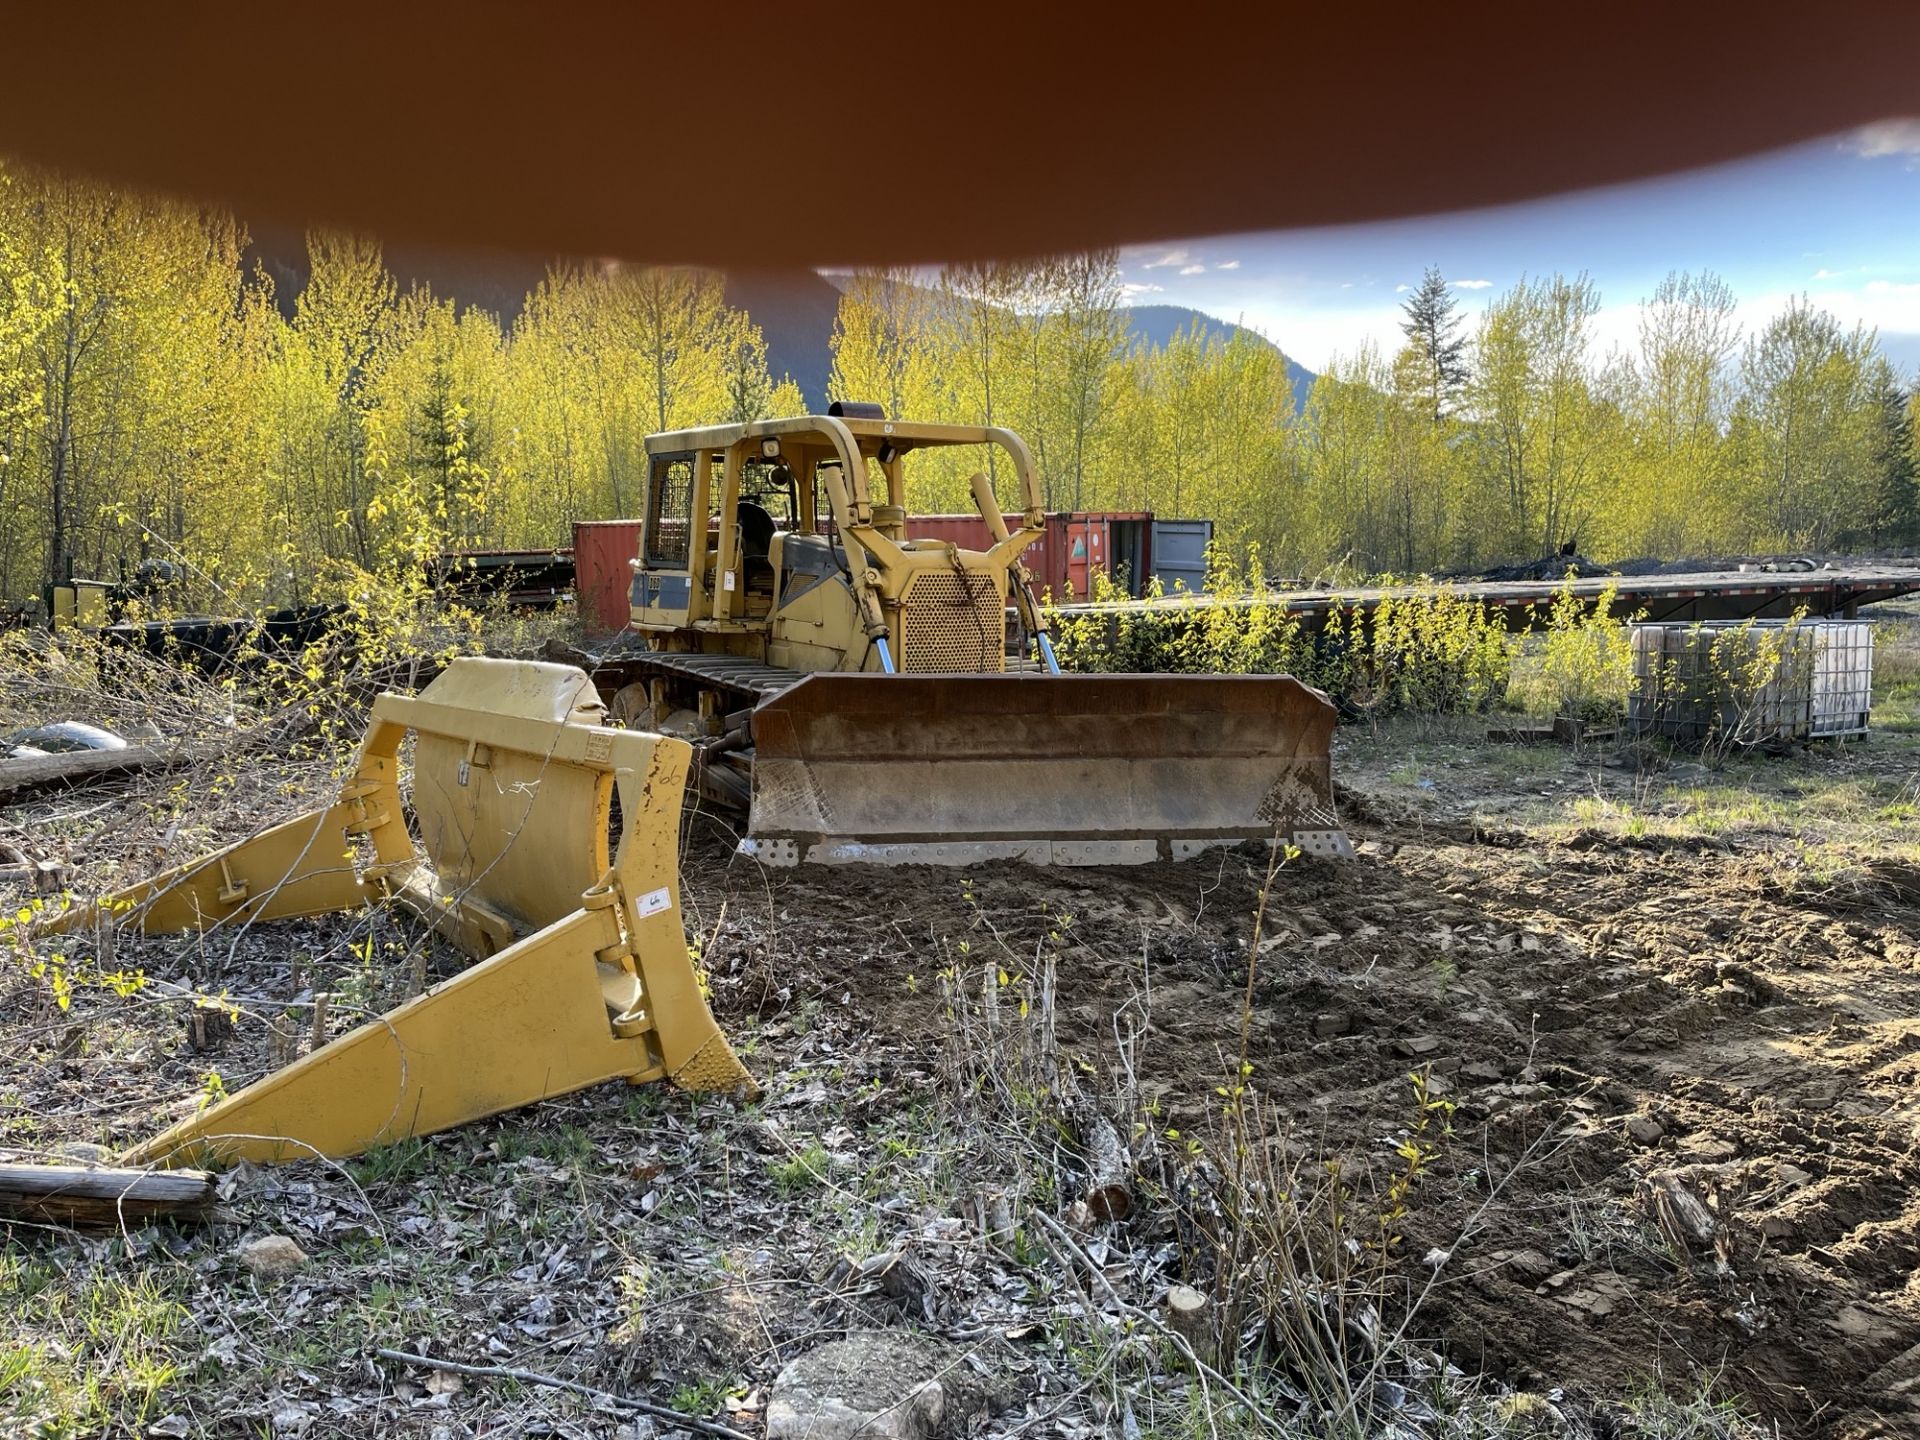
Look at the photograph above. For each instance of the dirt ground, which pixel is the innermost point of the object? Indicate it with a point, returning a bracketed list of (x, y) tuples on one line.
[(1649, 993), (1665, 1006)]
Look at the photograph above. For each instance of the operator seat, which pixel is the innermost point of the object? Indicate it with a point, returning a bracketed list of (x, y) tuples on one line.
[(757, 529)]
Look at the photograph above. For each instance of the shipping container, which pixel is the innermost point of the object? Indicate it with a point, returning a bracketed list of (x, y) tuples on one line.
[(1130, 549), (1179, 554), (602, 554), (1086, 552)]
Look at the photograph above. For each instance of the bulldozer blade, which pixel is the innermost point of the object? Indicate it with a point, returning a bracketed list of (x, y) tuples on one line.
[(1053, 769), (583, 972), (300, 868), (530, 1023)]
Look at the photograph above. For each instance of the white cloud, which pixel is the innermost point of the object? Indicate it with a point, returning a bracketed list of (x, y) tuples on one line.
[(1823, 273), (1879, 305), (1312, 335), (1887, 137), (1884, 304), (1168, 258), (1193, 269), (1401, 289), (1228, 265), (1131, 289), (1472, 284)]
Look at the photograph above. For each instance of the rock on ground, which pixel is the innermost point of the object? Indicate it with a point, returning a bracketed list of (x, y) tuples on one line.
[(875, 1384), (271, 1256)]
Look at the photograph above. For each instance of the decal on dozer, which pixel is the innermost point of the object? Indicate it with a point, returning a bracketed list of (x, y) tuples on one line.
[(582, 972)]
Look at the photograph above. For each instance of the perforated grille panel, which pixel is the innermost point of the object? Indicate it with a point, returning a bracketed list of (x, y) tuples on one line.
[(955, 622)]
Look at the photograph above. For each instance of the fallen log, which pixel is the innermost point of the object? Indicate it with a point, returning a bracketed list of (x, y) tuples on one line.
[(33, 771), (98, 1197)]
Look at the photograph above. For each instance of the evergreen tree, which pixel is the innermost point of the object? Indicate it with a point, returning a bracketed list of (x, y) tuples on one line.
[(1432, 326)]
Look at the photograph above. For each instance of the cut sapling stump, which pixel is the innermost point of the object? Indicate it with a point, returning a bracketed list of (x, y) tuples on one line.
[(1109, 1170)]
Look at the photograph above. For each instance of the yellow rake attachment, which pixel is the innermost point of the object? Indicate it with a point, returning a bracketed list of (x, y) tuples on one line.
[(582, 972)]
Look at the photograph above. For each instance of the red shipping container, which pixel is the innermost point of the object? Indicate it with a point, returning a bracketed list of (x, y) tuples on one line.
[(1086, 552), (1075, 546), (603, 552), (1046, 557)]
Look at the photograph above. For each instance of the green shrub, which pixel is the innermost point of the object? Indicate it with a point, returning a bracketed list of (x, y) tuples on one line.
[(1431, 650)]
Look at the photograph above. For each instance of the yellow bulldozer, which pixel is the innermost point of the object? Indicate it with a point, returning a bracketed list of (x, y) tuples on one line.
[(862, 695)]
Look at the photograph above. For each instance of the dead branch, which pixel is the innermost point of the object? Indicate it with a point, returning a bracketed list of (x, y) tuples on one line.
[(101, 1198), (79, 766), (534, 1377)]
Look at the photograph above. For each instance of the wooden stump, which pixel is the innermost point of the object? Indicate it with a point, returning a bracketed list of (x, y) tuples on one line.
[(208, 1027), (1189, 1317)]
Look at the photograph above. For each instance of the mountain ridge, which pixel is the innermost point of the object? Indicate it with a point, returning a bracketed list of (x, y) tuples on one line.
[(796, 316), (1157, 324)]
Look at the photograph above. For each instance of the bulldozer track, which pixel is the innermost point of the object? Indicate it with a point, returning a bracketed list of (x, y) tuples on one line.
[(749, 679), (721, 765)]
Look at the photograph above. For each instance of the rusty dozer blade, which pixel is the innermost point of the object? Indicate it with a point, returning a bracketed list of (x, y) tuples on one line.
[(582, 970), (1053, 769)]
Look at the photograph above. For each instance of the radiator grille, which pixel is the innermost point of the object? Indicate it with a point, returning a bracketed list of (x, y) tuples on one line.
[(955, 622)]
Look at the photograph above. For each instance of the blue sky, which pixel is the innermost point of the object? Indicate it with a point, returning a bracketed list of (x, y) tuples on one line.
[(1837, 220)]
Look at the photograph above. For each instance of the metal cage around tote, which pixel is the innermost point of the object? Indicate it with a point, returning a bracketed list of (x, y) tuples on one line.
[(1752, 681)]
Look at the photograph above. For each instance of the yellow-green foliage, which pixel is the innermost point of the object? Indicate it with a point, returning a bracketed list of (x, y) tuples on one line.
[(1432, 649), (1588, 659), (1580, 664), (156, 388), (1185, 635)]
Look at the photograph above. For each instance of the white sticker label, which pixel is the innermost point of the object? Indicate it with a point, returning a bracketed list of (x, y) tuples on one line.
[(653, 902), (727, 580)]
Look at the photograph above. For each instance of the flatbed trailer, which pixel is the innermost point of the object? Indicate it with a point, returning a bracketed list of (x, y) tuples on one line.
[(1704, 595)]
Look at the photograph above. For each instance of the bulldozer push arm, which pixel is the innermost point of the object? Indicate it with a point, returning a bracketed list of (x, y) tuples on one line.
[(582, 973), (1031, 615), (880, 585), (857, 521)]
